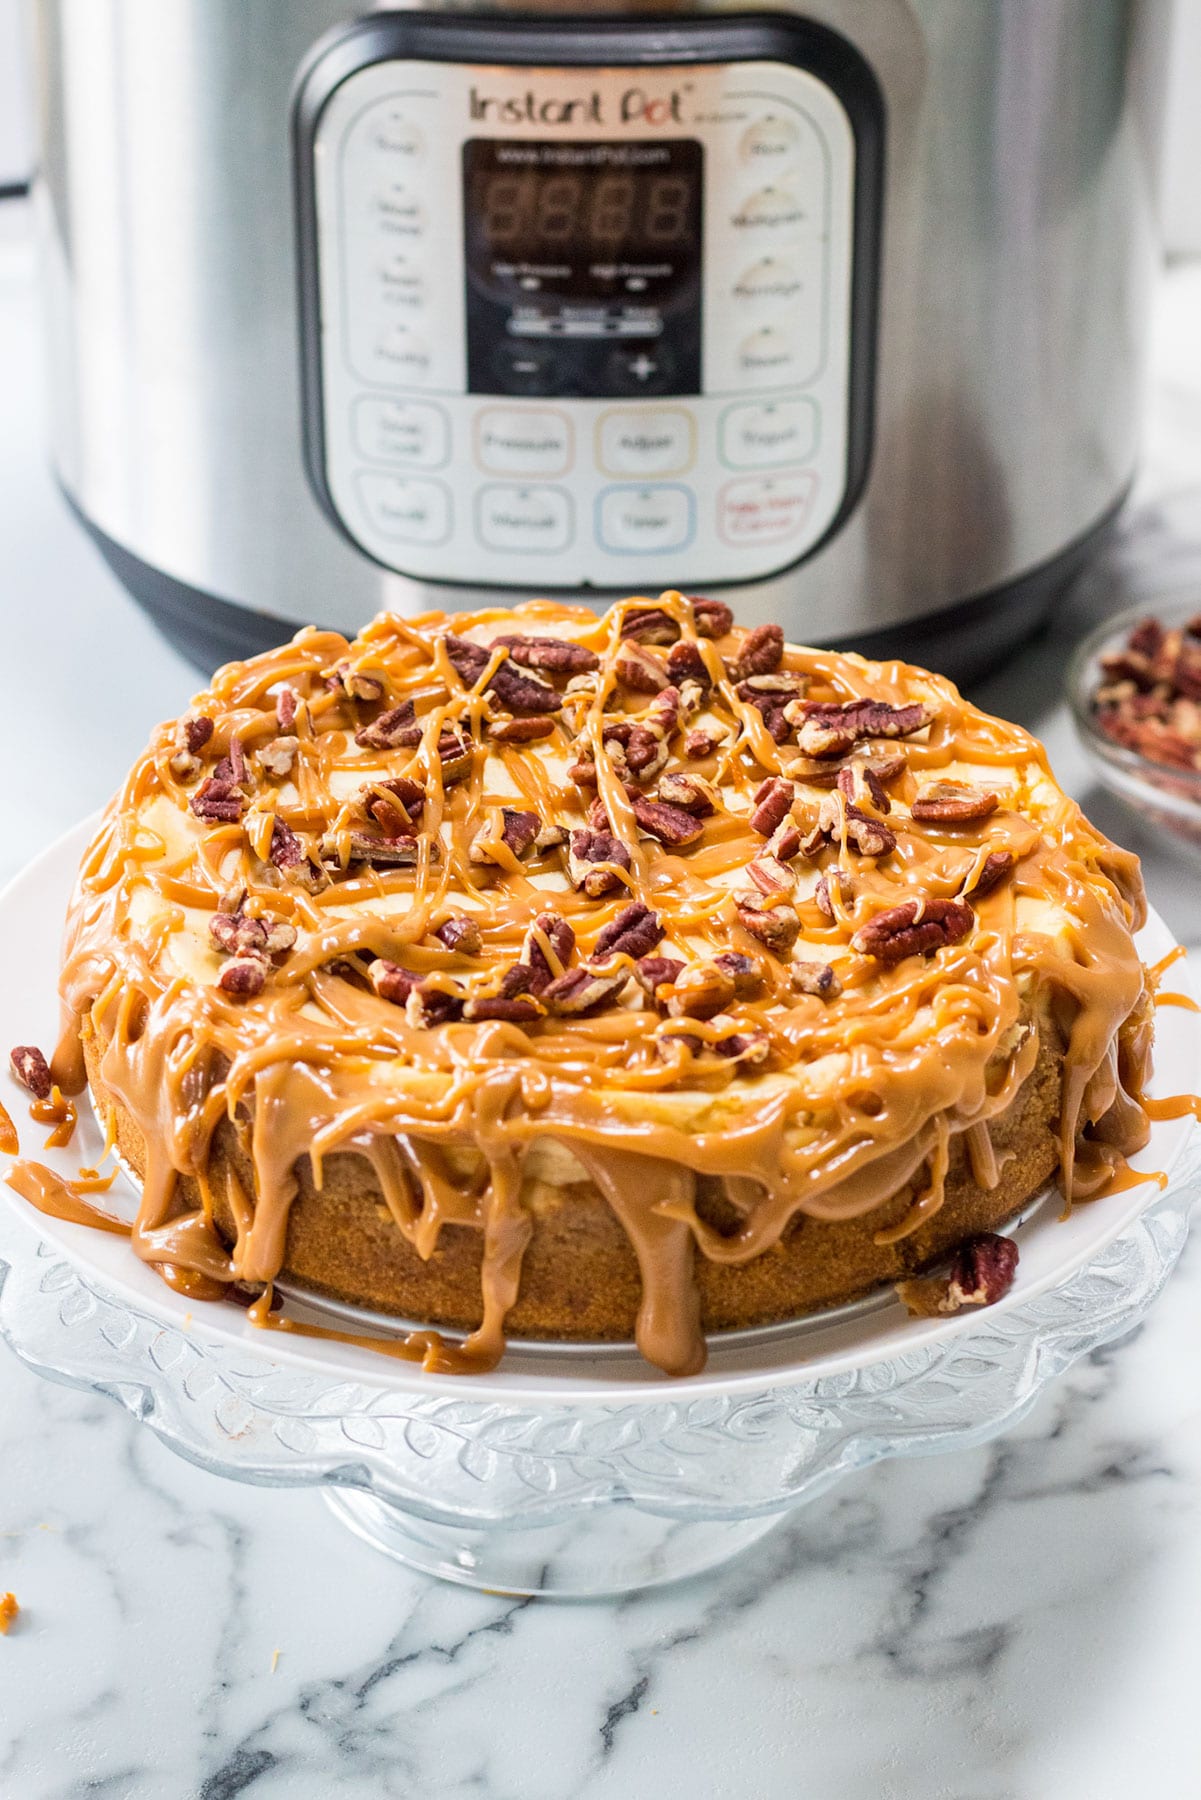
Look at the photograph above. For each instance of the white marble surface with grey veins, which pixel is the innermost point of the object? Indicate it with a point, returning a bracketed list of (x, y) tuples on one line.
[(1017, 1622)]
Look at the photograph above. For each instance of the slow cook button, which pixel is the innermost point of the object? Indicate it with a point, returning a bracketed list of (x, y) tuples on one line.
[(401, 431), (767, 511), (416, 512), (537, 442), (637, 520), (763, 437), (636, 442), (523, 518)]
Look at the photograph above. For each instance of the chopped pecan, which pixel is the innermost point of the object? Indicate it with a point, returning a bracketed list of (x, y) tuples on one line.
[(521, 731), (774, 924), (390, 981), (770, 874), (279, 756), (746, 974), (828, 728), (712, 618), (686, 662), (556, 655), (870, 836), (914, 928), (561, 938), (832, 879), (196, 730), (700, 992), (645, 754), (953, 803), (593, 859), (692, 792), (506, 825), (662, 716), (773, 803), (812, 771), (862, 786), (785, 841), (702, 742), (583, 773), (219, 800), (517, 979), (288, 855), (653, 972), (981, 1273), (583, 990), (237, 934), (287, 702), (515, 1009), (760, 653), (243, 977), (669, 824), (455, 757), (31, 1069), (551, 837), (231, 770), (744, 1046), (640, 669), (381, 852), (428, 1005), (993, 869), (649, 625), (460, 934), (633, 932), (815, 978), (393, 730), (359, 684)]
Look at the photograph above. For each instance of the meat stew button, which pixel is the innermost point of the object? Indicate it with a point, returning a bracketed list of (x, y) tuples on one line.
[(765, 511)]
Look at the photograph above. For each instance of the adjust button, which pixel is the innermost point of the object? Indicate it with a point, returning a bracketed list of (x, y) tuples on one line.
[(523, 518), (411, 432), (533, 442), (766, 511), (644, 520), (763, 437), (416, 512), (641, 441)]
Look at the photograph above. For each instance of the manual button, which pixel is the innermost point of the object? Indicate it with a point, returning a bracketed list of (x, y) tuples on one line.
[(644, 519), (763, 437), (535, 442), (634, 441), (523, 518)]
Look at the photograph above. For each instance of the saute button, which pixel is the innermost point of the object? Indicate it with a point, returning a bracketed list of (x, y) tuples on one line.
[(523, 518), (644, 520), (537, 442), (760, 437), (771, 210), (770, 142), (416, 512), (631, 441), (411, 432), (765, 512)]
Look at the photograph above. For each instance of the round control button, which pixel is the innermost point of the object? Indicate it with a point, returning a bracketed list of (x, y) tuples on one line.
[(403, 354), (771, 210), (398, 210), (393, 131), (765, 511), (641, 371), (523, 518), (770, 142), (772, 280), (644, 441), (401, 283), (526, 368), (769, 355), (764, 437), (416, 512), (410, 432), (644, 520), (532, 442)]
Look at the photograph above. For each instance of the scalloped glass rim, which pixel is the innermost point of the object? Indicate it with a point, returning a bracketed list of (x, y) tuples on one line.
[(814, 1349)]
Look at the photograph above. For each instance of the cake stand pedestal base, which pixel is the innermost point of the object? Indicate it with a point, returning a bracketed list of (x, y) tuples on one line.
[(609, 1550)]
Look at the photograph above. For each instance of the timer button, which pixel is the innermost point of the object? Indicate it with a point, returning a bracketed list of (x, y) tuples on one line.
[(774, 280), (766, 511), (400, 353), (536, 442), (411, 432), (771, 210), (638, 441), (398, 210), (770, 142), (644, 521), (523, 518), (640, 371), (416, 512)]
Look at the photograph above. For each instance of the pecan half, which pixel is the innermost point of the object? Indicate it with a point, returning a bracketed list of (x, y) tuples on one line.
[(243, 977), (746, 974), (815, 978), (287, 703), (649, 625), (584, 990), (692, 792), (914, 928), (712, 618), (593, 858), (634, 932), (953, 803), (31, 1069), (556, 655), (460, 934), (559, 936), (639, 669), (521, 731), (428, 1005), (522, 694), (506, 825), (773, 803), (700, 992), (775, 925), (393, 730), (761, 652), (515, 1009), (827, 728), (669, 824), (686, 662), (653, 972), (982, 1272), (218, 800), (468, 660), (395, 805), (994, 869)]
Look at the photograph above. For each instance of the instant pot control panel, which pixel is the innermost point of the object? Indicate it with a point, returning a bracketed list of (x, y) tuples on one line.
[(585, 302)]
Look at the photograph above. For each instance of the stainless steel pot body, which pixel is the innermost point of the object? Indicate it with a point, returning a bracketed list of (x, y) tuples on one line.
[(1016, 249)]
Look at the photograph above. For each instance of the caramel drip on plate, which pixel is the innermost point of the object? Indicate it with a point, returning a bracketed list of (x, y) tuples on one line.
[(1176, 1106), (793, 1101), (61, 1199)]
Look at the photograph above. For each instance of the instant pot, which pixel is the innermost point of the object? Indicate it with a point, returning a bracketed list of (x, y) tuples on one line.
[(838, 308)]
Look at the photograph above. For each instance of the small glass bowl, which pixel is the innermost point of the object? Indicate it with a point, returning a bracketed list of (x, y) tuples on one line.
[(1161, 795)]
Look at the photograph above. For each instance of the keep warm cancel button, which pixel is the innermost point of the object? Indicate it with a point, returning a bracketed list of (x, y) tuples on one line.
[(765, 511)]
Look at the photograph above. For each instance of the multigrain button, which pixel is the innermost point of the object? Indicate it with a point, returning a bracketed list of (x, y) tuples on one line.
[(771, 211), (415, 512), (534, 442), (523, 518), (771, 142), (644, 520), (634, 441), (409, 432), (766, 511), (763, 437)]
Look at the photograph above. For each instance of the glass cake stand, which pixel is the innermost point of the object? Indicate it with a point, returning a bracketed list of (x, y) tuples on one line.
[(578, 1471)]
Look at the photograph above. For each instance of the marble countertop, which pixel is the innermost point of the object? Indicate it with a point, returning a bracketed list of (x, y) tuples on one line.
[(1017, 1622)]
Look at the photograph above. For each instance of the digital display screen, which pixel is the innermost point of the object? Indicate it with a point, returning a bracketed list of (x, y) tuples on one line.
[(583, 266)]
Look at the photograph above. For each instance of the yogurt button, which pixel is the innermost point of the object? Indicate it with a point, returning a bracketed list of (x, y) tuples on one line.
[(637, 441), (415, 512), (759, 437), (533, 442), (523, 518), (644, 520)]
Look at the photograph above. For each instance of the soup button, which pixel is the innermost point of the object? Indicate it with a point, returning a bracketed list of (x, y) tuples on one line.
[(523, 518), (644, 519), (766, 511)]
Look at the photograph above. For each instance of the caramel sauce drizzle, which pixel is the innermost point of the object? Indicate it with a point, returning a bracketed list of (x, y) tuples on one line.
[(858, 1094)]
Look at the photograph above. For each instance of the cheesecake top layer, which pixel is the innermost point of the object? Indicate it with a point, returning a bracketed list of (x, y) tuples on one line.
[(637, 895)]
